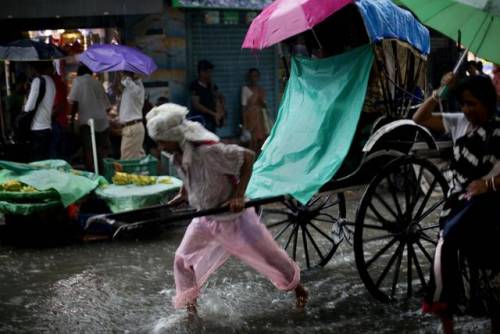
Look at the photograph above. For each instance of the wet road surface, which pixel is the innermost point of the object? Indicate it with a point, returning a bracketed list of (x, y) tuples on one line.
[(127, 287)]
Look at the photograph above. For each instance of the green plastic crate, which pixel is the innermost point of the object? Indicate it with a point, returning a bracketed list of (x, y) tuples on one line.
[(144, 166)]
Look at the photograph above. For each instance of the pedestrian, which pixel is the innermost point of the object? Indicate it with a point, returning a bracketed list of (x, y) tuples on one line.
[(471, 68), (59, 119), (215, 174), (255, 117), (89, 100), (14, 102), (496, 78), (470, 220), (206, 100), (39, 104), (130, 114)]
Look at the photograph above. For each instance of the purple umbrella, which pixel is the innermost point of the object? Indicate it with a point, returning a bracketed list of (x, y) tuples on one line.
[(112, 58)]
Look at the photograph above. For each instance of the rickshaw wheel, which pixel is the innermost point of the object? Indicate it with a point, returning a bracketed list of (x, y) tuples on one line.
[(309, 233), (397, 226)]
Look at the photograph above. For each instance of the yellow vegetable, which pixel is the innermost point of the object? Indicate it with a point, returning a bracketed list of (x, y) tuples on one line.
[(12, 185), (121, 178), (165, 180), (16, 186)]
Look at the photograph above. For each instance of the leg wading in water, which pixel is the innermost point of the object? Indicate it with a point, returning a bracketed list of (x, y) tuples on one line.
[(208, 244), (216, 174)]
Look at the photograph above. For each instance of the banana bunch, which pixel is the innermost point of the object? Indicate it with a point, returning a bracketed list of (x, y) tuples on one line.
[(121, 178), (165, 180), (16, 186)]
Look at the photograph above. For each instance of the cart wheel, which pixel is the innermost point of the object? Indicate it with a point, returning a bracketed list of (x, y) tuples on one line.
[(396, 227), (310, 233)]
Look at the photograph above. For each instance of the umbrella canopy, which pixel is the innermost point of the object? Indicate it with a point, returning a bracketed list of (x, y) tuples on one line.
[(112, 58), (29, 50), (477, 20), (382, 18)]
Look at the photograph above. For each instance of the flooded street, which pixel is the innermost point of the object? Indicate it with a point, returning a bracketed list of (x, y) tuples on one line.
[(127, 287)]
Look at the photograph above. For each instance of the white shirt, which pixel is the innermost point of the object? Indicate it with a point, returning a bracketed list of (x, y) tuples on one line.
[(246, 93), (132, 100), (42, 120), (456, 124), (92, 101)]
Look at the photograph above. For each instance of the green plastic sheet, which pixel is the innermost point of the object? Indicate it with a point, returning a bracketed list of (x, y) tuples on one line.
[(121, 198), (316, 122), (49, 175)]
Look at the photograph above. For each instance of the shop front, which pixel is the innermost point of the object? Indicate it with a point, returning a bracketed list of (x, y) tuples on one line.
[(215, 32)]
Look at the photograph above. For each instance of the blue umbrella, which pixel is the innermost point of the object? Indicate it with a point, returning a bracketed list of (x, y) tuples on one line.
[(29, 50), (112, 58)]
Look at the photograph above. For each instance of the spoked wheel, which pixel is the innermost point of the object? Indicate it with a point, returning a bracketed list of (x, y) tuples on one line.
[(479, 288), (397, 226), (310, 233)]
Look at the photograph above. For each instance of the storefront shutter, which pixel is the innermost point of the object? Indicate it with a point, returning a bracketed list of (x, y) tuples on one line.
[(221, 45)]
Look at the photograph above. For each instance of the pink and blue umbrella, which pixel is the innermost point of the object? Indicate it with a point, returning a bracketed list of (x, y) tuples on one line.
[(113, 58), (382, 18)]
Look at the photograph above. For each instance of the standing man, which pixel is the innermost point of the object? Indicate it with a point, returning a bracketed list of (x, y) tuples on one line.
[(89, 100), (207, 103), (59, 119), (131, 104), (41, 102)]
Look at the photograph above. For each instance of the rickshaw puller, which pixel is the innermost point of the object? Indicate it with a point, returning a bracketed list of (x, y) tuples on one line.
[(215, 174)]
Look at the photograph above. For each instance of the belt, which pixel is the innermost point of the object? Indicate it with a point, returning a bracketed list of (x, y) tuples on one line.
[(135, 121)]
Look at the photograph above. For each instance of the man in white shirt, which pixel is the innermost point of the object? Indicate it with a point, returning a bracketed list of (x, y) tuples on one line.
[(90, 101), (41, 126), (131, 104)]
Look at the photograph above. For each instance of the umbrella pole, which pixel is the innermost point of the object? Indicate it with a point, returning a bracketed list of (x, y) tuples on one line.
[(316, 38), (445, 90), (283, 59)]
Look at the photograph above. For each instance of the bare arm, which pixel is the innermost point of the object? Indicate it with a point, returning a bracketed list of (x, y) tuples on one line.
[(482, 186), (425, 117), (180, 198), (74, 109), (237, 201)]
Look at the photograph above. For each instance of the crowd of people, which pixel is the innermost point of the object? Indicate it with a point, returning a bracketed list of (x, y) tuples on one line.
[(54, 120)]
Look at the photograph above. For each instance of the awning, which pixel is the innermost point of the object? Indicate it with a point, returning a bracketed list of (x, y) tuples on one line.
[(222, 4), (29, 9)]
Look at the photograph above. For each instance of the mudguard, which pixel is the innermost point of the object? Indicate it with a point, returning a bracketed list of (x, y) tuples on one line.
[(405, 131)]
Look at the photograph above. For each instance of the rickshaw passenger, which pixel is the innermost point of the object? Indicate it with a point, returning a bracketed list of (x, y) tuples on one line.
[(215, 174), (470, 220)]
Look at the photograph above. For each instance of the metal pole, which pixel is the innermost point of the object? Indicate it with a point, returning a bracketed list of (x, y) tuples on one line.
[(94, 147)]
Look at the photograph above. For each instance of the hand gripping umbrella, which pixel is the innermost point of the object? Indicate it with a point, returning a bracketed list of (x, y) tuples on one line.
[(112, 58)]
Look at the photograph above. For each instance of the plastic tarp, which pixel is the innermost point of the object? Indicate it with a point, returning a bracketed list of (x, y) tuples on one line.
[(121, 198), (50, 175), (383, 20), (316, 122)]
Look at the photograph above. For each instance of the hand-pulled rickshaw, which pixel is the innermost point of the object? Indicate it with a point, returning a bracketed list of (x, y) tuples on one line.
[(374, 53)]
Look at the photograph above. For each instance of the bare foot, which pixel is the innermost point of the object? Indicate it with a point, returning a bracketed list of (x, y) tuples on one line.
[(301, 294), (192, 311)]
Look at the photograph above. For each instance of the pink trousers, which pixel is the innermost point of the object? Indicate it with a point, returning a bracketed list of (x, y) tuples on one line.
[(208, 243)]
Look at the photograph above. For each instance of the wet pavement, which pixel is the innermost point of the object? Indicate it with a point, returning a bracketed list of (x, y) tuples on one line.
[(127, 287)]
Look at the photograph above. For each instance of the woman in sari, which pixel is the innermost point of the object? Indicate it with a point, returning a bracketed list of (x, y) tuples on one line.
[(253, 101)]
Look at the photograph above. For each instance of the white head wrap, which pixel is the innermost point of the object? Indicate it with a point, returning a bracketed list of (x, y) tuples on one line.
[(168, 122)]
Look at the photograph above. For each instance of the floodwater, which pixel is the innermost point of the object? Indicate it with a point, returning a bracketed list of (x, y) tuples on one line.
[(127, 287)]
